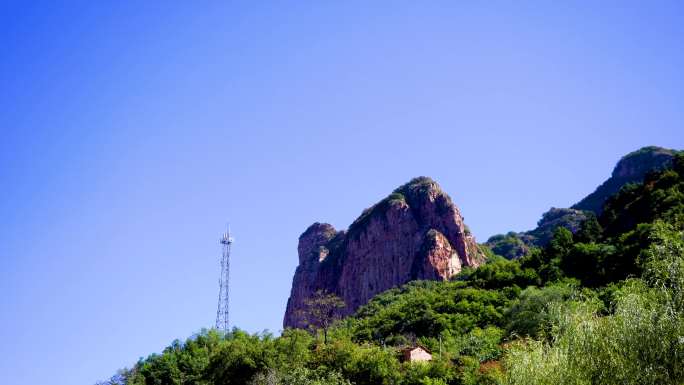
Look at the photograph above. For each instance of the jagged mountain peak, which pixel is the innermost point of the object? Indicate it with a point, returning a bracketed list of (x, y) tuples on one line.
[(416, 232)]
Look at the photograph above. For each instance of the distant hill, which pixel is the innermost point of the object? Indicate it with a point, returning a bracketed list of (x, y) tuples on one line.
[(632, 168)]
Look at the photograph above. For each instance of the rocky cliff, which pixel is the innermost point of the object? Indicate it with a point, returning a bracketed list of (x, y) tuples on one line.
[(415, 233)]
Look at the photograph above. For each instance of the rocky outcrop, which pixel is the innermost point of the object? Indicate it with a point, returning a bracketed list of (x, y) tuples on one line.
[(415, 233)]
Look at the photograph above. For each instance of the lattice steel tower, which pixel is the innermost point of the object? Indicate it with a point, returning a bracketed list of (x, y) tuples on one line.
[(224, 280)]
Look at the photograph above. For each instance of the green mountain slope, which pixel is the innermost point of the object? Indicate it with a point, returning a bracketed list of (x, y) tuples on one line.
[(602, 305), (632, 168)]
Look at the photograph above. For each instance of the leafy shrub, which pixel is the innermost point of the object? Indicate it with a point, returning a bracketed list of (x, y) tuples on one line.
[(528, 315)]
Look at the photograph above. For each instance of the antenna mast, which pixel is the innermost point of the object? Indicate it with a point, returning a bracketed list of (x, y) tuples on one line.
[(222, 322)]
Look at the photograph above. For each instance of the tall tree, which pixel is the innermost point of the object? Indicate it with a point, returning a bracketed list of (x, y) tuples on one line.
[(322, 309)]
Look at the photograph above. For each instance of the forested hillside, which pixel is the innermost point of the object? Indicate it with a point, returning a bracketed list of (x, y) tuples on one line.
[(604, 305)]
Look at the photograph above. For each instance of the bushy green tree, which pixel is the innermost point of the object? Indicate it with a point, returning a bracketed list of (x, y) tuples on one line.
[(590, 230), (509, 246), (438, 371), (500, 274), (528, 315), (240, 358), (321, 311), (363, 364), (298, 376)]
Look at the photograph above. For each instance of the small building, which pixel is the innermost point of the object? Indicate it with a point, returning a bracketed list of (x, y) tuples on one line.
[(418, 353)]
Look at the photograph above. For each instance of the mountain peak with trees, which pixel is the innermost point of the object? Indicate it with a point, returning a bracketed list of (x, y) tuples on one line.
[(631, 168)]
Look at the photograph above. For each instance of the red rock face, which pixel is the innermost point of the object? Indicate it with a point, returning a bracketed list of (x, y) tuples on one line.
[(415, 233)]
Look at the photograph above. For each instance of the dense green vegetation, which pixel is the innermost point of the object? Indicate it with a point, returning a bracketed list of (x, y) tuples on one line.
[(602, 305)]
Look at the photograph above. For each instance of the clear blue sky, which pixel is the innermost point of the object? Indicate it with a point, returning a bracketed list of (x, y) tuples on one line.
[(131, 133)]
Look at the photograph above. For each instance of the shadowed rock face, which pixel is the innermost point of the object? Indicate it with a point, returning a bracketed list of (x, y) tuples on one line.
[(414, 233)]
